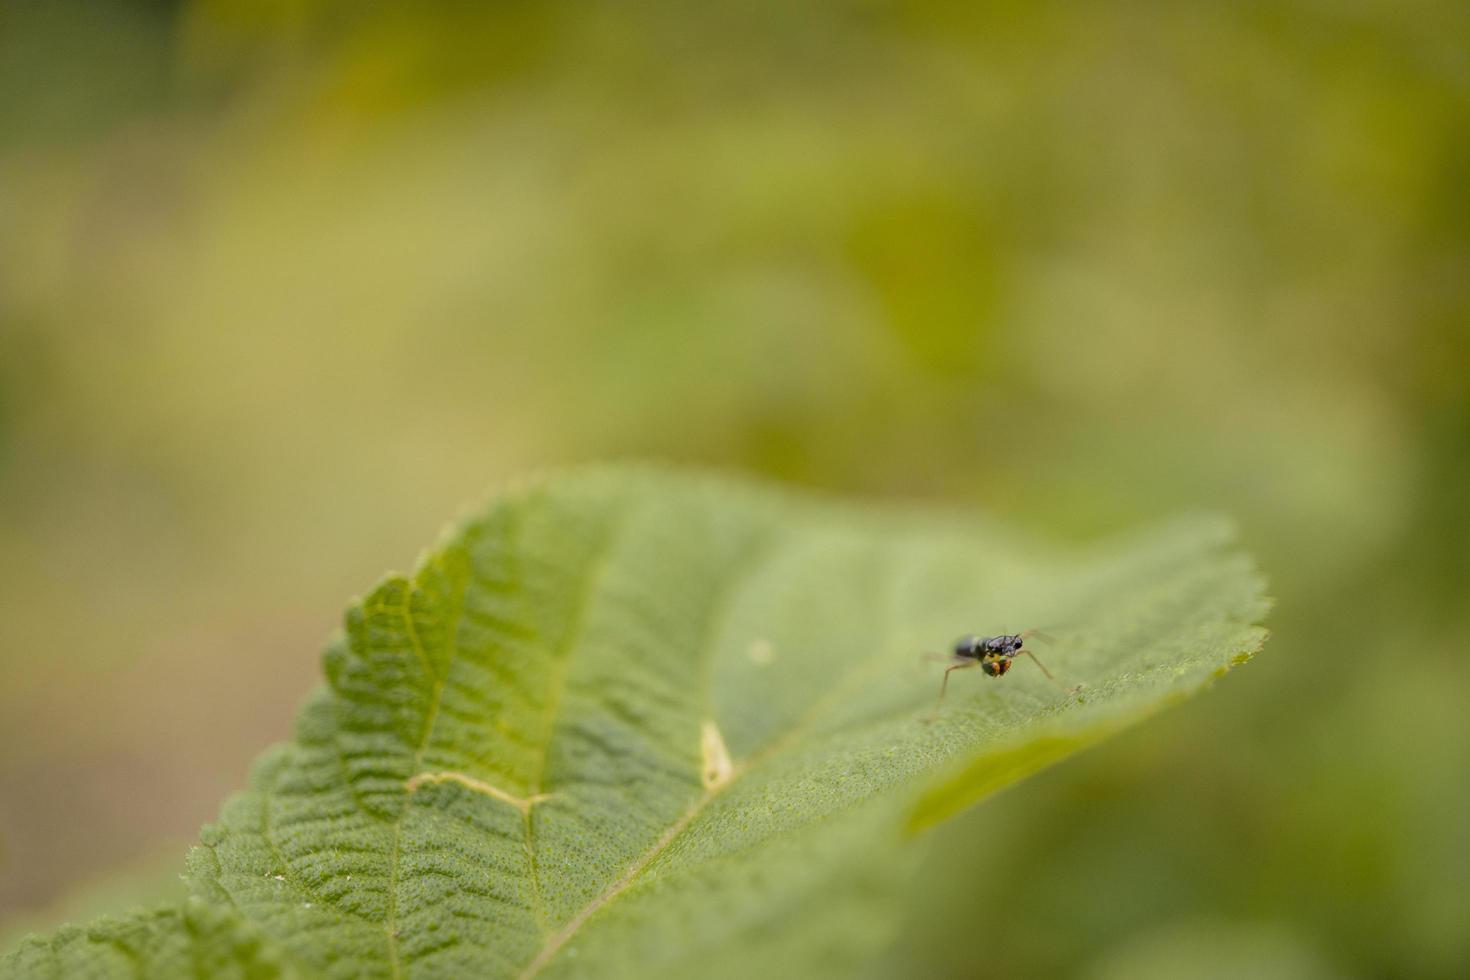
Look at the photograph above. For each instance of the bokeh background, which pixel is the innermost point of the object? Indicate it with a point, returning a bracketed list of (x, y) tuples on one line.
[(284, 284)]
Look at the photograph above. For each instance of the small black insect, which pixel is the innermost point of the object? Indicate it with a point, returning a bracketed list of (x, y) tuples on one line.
[(992, 654)]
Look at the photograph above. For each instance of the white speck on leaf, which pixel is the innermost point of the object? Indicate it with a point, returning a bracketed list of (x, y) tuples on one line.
[(718, 768)]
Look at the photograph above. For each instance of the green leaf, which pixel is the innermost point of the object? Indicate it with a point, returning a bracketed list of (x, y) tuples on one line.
[(194, 940), (633, 722)]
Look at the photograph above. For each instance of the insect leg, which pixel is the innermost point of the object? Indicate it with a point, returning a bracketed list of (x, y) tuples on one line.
[(944, 685), (1069, 690)]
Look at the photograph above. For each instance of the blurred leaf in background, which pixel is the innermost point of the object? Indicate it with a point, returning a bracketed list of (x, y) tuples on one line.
[(282, 283)]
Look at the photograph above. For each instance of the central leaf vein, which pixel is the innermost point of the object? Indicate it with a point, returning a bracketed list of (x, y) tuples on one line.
[(856, 677)]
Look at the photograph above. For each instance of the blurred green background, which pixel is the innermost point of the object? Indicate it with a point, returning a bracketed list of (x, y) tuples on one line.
[(285, 283)]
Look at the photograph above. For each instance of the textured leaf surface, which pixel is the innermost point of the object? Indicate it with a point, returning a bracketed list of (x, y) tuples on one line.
[(640, 723), (193, 941)]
